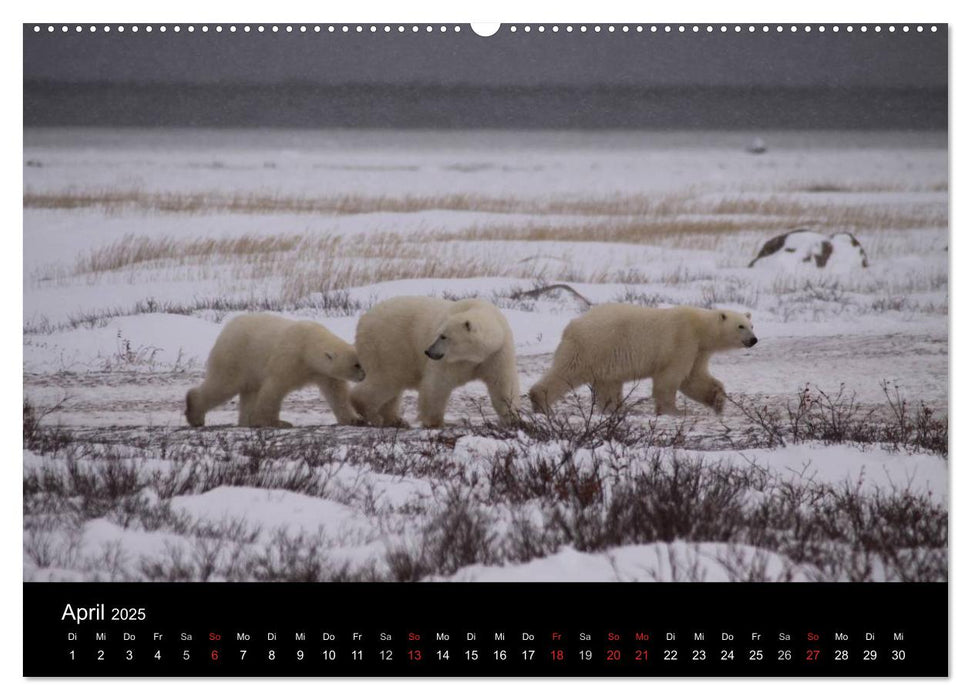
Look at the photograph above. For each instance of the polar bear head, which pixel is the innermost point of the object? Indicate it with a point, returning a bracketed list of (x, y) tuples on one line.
[(343, 364), (734, 330), (468, 336)]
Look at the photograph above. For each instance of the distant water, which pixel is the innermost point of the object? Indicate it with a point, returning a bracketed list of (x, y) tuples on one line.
[(389, 141), (465, 107)]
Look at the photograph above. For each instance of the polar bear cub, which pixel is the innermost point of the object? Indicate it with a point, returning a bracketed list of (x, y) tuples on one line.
[(616, 343), (433, 345), (262, 358)]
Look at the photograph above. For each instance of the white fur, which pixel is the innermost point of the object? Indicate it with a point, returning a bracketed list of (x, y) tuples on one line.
[(472, 337), (616, 343), (263, 358)]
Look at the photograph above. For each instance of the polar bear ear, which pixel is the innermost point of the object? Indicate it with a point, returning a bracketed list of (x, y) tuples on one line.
[(468, 326), (724, 317), (748, 315)]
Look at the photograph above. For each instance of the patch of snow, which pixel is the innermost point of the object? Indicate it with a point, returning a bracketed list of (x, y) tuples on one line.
[(659, 562)]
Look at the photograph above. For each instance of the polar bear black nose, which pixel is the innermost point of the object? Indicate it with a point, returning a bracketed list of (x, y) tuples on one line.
[(753, 341), (434, 355)]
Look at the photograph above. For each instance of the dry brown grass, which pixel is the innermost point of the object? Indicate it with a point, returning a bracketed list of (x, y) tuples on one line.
[(141, 251), (857, 186), (859, 217), (648, 216), (306, 263), (113, 201)]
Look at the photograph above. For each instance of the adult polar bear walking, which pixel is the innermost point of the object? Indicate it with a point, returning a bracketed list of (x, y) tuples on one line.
[(616, 343), (433, 345), (263, 358)]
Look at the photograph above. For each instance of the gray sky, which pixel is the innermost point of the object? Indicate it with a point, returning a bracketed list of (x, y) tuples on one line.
[(800, 59)]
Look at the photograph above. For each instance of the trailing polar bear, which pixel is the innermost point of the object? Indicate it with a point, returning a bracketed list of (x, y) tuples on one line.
[(263, 358), (616, 343), (433, 345)]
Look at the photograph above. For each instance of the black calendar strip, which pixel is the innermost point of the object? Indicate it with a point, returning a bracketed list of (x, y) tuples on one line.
[(361, 629)]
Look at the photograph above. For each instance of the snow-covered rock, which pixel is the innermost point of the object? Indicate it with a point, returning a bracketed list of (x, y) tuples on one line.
[(802, 248)]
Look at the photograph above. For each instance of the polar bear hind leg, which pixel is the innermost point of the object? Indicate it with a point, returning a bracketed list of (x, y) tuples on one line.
[(203, 398), (377, 402), (267, 405)]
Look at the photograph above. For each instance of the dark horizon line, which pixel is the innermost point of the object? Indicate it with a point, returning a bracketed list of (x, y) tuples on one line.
[(35, 83)]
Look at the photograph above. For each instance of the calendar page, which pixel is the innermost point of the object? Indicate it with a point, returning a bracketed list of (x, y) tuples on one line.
[(485, 350)]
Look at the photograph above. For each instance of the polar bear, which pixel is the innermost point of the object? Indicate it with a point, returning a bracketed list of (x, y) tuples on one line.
[(616, 343), (433, 345), (263, 358)]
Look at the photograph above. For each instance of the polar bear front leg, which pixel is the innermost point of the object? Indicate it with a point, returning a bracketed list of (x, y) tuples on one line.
[(338, 396), (608, 396), (704, 388), (433, 396), (247, 400)]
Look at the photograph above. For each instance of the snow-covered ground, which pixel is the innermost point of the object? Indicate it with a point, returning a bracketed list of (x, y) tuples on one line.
[(138, 245)]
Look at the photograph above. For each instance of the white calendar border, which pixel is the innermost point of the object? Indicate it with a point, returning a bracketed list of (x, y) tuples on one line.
[(602, 11)]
